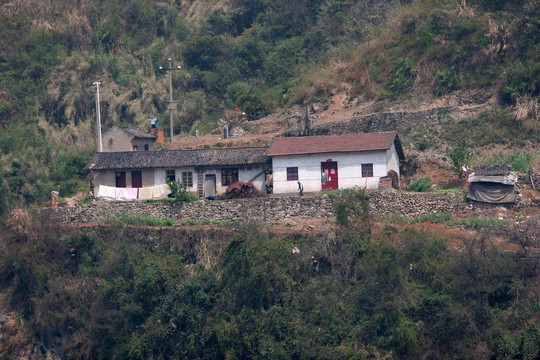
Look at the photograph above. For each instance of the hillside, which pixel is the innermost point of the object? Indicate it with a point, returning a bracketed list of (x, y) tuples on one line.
[(340, 59), (460, 74)]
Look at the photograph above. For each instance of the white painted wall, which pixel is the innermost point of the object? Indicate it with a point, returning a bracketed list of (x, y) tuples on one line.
[(108, 178), (349, 169), (392, 160), (151, 177)]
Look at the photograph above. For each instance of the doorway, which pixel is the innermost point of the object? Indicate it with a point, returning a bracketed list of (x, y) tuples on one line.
[(209, 185), (136, 179), (329, 175)]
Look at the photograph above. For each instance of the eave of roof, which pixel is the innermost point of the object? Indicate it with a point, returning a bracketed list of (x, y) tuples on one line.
[(178, 158), (135, 132), (139, 132), (335, 143)]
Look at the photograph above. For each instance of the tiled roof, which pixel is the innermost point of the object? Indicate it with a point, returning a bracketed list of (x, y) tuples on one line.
[(493, 170), (178, 158), (137, 132), (140, 133), (335, 143)]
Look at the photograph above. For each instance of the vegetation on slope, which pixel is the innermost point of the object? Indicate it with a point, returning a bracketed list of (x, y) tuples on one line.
[(255, 55), (140, 293)]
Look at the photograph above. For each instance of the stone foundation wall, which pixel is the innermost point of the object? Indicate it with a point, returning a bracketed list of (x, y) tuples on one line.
[(272, 210)]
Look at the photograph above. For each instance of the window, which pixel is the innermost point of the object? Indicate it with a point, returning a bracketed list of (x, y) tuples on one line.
[(135, 148), (292, 173), (120, 179), (187, 178), (146, 147), (367, 170), (229, 176), (170, 175)]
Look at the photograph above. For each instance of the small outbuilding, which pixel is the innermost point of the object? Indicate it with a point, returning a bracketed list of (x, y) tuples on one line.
[(128, 139), (492, 184), (334, 161)]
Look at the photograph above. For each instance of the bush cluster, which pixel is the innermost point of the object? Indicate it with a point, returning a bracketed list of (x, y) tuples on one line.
[(132, 292), (420, 184)]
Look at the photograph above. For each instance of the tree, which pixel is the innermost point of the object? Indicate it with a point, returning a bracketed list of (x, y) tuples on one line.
[(460, 156)]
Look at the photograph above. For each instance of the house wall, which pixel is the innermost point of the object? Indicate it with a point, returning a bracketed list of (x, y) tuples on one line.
[(151, 177), (108, 178), (349, 170), (244, 174), (392, 160), (140, 144), (117, 139)]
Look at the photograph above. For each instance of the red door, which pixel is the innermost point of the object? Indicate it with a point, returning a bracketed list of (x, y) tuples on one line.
[(329, 175)]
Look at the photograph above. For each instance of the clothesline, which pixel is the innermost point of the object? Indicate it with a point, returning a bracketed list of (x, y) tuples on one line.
[(111, 193)]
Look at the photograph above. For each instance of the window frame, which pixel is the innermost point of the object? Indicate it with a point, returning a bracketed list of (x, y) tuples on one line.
[(367, 170), (229, 176), (168, 174), (187, 178), (292, 173)]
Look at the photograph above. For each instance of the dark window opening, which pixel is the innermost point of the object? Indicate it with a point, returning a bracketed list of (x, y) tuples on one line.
[(170, 175), (229, 176), (146, 147), (120, 179)]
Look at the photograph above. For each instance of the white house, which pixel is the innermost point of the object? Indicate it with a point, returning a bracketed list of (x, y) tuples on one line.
[(205, 172), (335, 161)]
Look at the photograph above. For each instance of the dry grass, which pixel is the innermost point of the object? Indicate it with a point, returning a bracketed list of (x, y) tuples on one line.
[(527, 112), (19, 221)]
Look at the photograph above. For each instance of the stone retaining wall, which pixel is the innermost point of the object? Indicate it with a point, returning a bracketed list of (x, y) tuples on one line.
[(411, 204), (272, 210), (390, 121)]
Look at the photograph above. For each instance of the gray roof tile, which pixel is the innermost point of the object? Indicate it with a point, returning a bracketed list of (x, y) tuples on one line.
[(178, 158)]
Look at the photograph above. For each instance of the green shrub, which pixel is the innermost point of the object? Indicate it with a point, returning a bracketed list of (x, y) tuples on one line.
[(447, 80), (421, 184), (179, 191)]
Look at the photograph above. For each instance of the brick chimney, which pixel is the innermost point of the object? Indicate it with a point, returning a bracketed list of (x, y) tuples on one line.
[(159, 133)]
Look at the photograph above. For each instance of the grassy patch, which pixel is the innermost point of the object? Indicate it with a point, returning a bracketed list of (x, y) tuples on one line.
[(488, 128), (191, 222), (436, 218), (478, 223), (142, 220), (520, 160), (455, 190)]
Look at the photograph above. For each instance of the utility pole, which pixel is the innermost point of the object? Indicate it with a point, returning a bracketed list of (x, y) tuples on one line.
[(170, 93), (98, 114)]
